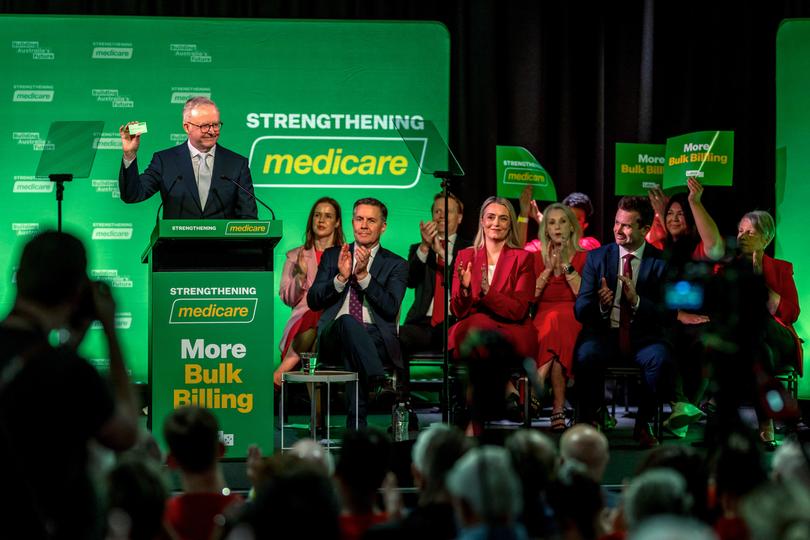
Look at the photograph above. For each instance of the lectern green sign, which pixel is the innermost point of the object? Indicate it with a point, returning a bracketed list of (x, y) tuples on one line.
[(211, 298)]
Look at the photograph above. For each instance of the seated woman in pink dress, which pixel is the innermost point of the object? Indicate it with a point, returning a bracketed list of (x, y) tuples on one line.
[(495, 283), (324, 230), (557, 266)]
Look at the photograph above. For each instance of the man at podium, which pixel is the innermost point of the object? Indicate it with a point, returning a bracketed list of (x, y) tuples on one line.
[(198, 179)]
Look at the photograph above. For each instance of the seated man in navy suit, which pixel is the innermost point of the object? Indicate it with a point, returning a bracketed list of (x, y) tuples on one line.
[(620, 306), (360, 287), (197, 179)]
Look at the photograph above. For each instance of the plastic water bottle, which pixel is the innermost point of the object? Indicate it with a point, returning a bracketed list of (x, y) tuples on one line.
[(399, 420)]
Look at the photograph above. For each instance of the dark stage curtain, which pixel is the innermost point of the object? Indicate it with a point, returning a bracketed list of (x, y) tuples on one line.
[(568, 80)]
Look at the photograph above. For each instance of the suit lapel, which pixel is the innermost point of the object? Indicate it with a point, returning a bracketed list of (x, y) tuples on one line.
[(645, 268), (187, 170), (503, 269), (612, 264)]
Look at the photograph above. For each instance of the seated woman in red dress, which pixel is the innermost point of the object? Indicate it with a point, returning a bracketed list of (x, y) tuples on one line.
[(495, 282), (324, 230), (755, 231), (557, 266)]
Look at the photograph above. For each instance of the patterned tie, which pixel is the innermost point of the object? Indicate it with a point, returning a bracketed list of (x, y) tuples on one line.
[(203, 177), (355, 300), (438, 291), (625, 309)]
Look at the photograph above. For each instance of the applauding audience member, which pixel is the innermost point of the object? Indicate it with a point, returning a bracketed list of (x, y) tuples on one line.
[(324, 230), (557, 266), (619, 306), (423, 324), (578, 202), (495, 284), (495, 281), (360, 288), (755, 232)]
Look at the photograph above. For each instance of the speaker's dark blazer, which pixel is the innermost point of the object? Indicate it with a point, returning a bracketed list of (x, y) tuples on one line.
[(225, 200)]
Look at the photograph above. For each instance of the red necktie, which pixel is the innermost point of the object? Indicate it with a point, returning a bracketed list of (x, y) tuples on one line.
[(625, 309), (438, 292)]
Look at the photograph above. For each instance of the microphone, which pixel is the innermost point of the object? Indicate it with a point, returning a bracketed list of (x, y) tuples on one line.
[(171, 187), (252, 195)]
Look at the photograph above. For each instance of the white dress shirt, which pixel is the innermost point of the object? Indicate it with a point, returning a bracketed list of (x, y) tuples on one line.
[(363, 283)]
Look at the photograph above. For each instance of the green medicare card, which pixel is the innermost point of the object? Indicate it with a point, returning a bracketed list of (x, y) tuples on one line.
[(516, 167), (639, 167), (705, 155)]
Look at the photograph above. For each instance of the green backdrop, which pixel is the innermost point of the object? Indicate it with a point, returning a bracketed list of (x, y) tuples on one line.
[(288, 92), (793, 163)]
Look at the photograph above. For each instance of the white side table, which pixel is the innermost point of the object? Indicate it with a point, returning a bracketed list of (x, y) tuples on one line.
[(312, 380)]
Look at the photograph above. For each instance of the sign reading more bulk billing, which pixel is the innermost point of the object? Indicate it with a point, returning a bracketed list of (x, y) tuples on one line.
[(639, 167), (705, 155)]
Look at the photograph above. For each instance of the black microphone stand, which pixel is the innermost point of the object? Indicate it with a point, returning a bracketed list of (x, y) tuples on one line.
[(59, 180), (446, 178)]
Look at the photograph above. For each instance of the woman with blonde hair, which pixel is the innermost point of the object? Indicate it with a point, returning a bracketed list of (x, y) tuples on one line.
[(755, 232), (495, 283), (557, 265)]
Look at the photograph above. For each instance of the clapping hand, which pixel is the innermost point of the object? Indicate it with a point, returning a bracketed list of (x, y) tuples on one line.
[(429, 231), (629, 290), (344, 263), (301, 266), (362, 256), (465, 275), (605, 294)]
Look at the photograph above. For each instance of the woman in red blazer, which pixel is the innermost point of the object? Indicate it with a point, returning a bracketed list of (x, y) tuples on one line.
[(755, 231), (495, 282)]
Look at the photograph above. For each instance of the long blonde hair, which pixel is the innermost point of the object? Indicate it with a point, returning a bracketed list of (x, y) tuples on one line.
[(545, 240), (511, 236)]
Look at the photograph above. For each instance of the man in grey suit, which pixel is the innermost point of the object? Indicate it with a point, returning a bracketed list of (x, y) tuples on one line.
[(196, 180), (360, 287)]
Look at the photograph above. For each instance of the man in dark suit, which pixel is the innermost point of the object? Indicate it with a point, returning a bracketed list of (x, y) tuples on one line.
[(422, 330), (189, 177), (360, 287), (620, 306)]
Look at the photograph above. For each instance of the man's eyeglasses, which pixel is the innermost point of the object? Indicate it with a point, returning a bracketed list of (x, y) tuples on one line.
[(205, 128)]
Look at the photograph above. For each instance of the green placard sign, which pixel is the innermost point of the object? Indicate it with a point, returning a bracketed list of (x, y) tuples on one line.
[(639, 167), (210, 348), (516, 167), (705, 155)]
